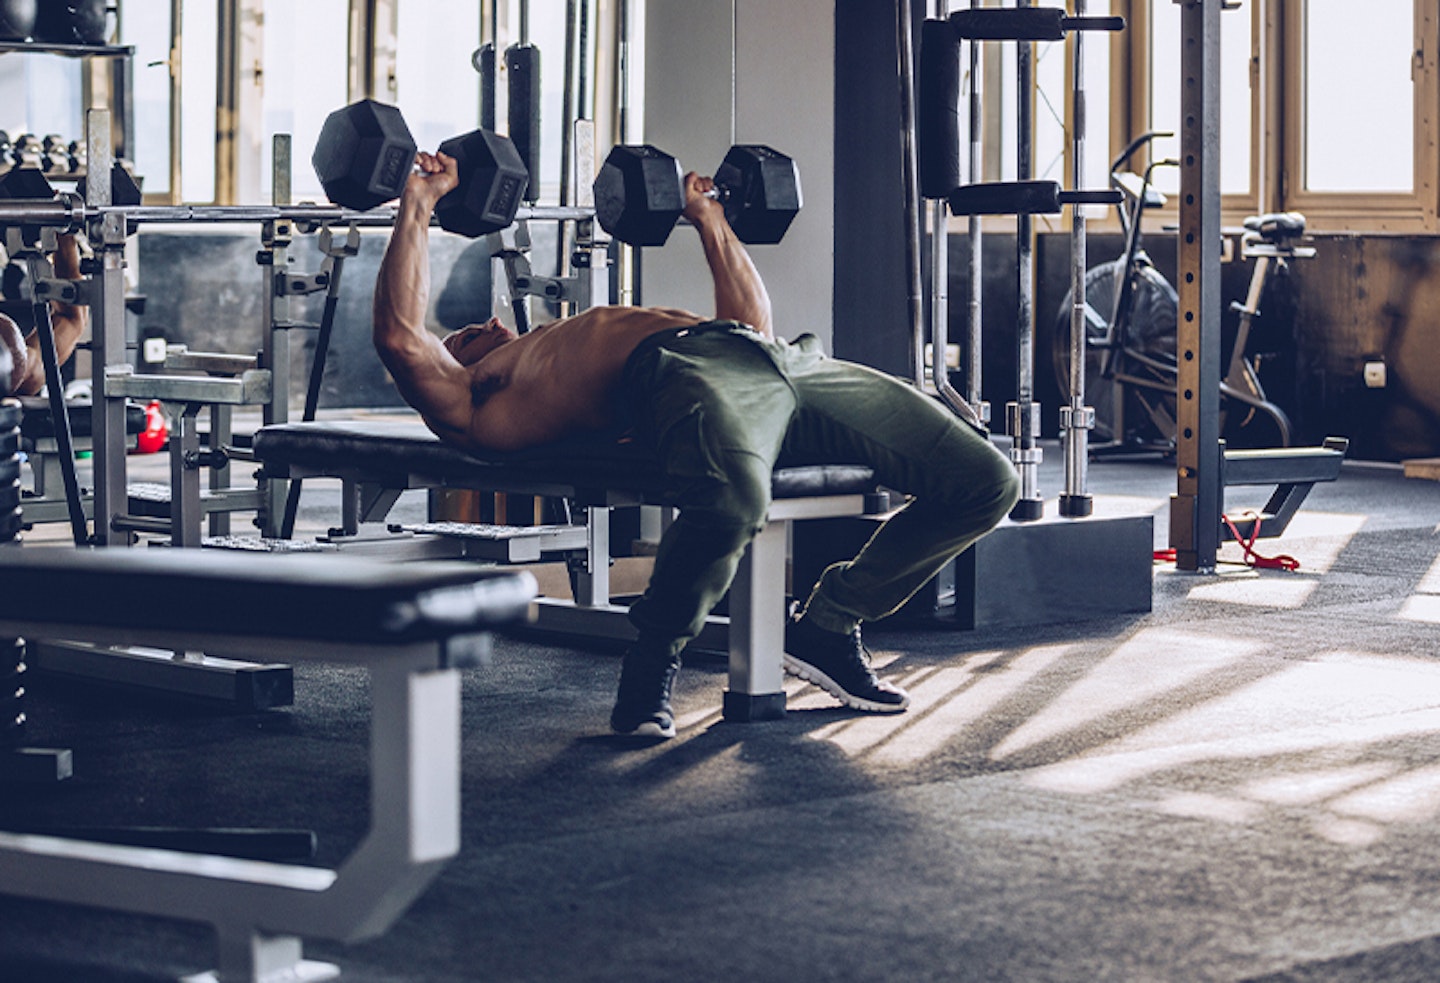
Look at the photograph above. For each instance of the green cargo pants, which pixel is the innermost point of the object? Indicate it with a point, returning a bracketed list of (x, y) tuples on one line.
[(721, 405)]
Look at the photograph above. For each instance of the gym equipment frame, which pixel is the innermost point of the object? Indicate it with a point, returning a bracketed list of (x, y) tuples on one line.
[(261, 909)]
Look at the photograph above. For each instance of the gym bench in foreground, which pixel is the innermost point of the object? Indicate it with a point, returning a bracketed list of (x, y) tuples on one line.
[(412, 625), (377, 460)]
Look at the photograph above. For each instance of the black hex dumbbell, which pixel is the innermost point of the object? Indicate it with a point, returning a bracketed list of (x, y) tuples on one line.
[(365, 155), (640, 193)]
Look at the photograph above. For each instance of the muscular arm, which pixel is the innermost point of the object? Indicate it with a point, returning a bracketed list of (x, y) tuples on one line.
[(739, 292), (428, 376), (67, 322)]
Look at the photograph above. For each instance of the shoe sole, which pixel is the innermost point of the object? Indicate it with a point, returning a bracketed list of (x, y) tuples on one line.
[(810, 674), (649, 728)]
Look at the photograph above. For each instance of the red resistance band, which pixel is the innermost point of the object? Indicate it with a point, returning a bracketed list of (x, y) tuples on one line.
[(1252, 558)]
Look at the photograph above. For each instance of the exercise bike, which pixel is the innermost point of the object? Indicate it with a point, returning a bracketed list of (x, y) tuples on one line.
[(1130, 316)]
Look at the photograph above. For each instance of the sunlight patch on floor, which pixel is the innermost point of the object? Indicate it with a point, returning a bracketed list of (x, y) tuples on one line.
[(1421, 607), (1250, 588), (1202, 805), (1411, 797), (943, 703), (1309, 787), (1339, 700), (1153, 662)]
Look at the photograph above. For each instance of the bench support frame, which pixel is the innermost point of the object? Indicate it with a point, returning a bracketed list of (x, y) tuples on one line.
[(259, 909)]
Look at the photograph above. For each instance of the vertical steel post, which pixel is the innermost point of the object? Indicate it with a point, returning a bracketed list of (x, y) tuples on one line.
[(1023, 413), (106, 297), (275, 327), (1195, 506), (973, 355), (912, 209), (1077, 419)]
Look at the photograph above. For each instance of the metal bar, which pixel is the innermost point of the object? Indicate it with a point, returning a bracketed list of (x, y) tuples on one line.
[(1077, 419), (55, 389), (68, 213), (975, 235), (567, 122), (185, 479), (106, 298), (1195, 507), (275, 310), (911, 210), (1023, 412)]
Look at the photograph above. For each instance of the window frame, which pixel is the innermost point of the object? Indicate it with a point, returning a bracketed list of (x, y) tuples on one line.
[(1368, 212)]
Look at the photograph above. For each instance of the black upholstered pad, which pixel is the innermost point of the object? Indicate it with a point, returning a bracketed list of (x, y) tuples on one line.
[(303, 597), (37, 424), (400, 449)]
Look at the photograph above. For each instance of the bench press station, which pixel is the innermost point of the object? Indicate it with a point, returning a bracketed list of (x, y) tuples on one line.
[(413, 626), (376, 461)]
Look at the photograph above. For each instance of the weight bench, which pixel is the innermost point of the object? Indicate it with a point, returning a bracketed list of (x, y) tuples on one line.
[(413, 626), (378, 460)]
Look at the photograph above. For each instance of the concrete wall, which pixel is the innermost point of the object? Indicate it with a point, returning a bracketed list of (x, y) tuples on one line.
[(203, 289), (746, 71)]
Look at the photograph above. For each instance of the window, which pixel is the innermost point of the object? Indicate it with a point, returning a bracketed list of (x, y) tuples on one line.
[(1236, 98), (1304, 83), (1373, 107), (175, 51), (151, 96), (436, 86), (197, 32), (306, 58), (1359, 142)]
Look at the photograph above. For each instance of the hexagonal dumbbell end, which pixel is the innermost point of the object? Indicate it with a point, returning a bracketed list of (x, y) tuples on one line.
[(364, 154), (639, 194), (760, 188), (492, 183)]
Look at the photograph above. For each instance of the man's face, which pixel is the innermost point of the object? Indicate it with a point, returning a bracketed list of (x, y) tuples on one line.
[(474, 341)]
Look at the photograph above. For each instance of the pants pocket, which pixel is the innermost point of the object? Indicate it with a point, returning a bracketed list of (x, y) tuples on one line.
[(687, 448)]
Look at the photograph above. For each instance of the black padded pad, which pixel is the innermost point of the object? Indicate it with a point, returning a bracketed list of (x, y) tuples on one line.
[(36, 423), (399, 449), (327, 598)]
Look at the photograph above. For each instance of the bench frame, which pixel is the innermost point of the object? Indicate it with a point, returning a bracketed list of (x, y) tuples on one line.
[(259, 909)]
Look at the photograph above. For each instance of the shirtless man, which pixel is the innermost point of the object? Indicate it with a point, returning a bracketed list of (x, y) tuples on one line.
[(720, 401), (26, 373)]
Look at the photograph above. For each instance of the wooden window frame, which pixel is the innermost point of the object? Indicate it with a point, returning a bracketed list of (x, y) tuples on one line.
[(1400, 213)]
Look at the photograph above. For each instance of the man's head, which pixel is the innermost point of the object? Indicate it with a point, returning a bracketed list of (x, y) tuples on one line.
[(474, 341)]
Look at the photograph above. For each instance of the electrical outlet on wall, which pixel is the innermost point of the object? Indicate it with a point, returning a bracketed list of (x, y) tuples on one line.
[(1374, 374)]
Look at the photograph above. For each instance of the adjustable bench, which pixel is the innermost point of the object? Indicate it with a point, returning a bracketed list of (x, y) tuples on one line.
[(413, 626), (378, 460)]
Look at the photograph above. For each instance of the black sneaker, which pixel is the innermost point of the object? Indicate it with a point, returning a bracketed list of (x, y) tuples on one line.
[(840, 665), (642, 705)]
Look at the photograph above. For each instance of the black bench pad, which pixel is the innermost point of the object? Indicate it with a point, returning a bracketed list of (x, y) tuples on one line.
[(400, 449), (322, 598)]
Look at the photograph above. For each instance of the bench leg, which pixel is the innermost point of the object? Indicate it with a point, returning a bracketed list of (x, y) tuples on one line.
[(248, 956), (757, 630)]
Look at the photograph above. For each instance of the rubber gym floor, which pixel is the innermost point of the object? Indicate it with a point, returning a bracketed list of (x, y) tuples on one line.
[(1240, 785)]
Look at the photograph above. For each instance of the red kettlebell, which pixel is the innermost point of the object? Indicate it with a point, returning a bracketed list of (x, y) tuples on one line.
[(156, 432)]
